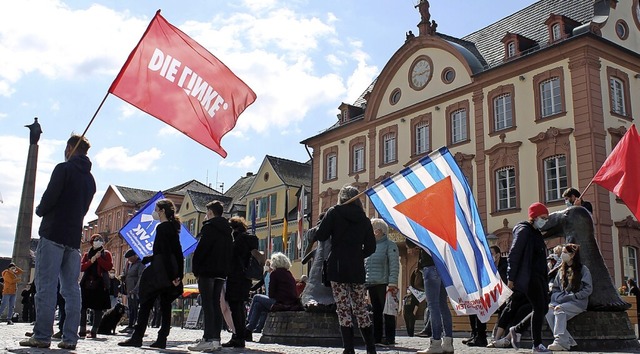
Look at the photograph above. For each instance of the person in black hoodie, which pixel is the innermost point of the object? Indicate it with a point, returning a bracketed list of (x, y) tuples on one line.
[(63, 206), (352, 241), (163, 278), (211, 264), (527, 271), (238, 285)]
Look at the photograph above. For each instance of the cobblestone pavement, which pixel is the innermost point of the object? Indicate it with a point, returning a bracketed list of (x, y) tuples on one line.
[(179, 339)]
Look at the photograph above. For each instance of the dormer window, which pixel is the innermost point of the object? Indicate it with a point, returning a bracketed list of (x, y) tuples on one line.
[(511, 49), (556, 34)]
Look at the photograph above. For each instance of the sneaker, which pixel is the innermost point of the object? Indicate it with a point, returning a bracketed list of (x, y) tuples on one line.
[(67, 345), (205, 346), (9, 322), (467, 340), (515, 337), (32, 342), (556, 347), (500, 343), (424, 334), (57, 335), (540, 348)]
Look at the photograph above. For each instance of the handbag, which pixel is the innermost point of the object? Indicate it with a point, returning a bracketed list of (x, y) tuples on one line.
[(255, 267), (325, 276)]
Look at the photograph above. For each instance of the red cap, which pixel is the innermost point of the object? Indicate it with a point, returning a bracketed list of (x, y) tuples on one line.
[(536, 209)]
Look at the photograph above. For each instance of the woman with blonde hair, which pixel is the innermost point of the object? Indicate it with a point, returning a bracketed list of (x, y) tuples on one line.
[(282, 294)]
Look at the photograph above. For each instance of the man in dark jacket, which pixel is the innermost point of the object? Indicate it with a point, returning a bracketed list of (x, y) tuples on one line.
[(352, 241), (211, 264), (527, 271), (63, 206)]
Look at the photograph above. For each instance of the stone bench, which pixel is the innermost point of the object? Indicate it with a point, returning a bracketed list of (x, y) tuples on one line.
[(302, 328)]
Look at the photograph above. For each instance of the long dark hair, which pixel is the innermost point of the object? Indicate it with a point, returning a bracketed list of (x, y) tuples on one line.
[(170, 211), (572, 274)]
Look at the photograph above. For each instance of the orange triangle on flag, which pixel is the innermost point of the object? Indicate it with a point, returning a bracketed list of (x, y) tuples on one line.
[(434, 209)]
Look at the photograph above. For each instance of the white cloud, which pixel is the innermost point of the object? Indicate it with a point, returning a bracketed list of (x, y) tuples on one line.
[(168, 130), (362, 76), (13, 157), (119, 158), (126, 111), (245, 163)]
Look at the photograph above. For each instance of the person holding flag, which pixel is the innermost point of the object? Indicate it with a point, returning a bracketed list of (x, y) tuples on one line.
[(163, 278), (527, 271), (352, 240)]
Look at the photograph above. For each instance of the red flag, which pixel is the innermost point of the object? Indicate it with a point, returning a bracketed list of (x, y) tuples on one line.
[(620, 172), (175, 79)]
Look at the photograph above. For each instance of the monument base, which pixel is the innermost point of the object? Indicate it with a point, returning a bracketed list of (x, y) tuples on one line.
[(594, 330), (303, 328)]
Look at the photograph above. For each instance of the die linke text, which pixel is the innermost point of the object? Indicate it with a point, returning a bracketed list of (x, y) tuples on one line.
[(172, 69)]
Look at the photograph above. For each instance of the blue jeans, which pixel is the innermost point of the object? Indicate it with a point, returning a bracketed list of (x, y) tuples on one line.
[(55, 261), (437, 304), (132, 305), (211, 288), (10, 301), (260, 306)]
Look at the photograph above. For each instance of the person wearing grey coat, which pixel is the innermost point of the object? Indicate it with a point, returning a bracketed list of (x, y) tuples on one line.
[(382, 269), (131, 281)]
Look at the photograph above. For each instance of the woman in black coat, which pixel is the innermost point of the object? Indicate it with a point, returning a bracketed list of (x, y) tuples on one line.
[(238, 285), (352, 241), (163, 278)]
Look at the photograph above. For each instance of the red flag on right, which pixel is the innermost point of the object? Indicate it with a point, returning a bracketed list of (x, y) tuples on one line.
[(620, 172)]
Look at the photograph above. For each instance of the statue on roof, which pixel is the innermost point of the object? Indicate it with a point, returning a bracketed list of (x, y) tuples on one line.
[(409, 35), (423, 8)]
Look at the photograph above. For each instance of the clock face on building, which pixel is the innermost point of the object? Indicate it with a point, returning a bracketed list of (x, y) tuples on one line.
[(420, 72)]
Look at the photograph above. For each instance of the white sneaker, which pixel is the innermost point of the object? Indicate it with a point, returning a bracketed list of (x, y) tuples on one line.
[(501, 343), (556, 347), (205, 346), (515, 337)]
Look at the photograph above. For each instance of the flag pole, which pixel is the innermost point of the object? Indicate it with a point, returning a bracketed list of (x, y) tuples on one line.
[(90, 122), (586, 189)]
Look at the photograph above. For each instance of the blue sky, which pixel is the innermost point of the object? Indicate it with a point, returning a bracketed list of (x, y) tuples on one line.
[(301, 57)]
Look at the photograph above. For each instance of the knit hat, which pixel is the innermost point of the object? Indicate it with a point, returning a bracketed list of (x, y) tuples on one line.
[(536, 209)]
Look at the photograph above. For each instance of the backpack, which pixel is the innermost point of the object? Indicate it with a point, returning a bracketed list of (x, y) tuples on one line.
[(254, 269)]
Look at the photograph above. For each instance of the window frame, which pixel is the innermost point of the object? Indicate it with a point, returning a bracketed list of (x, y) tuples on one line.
[(623, 78), (491, 96), (415, 122), (452, 109), (500, 156), (561, 188), (355, 143), (329, 152), (556, 37), (538, 80), (626, 261), (383, 133), (510, 179)]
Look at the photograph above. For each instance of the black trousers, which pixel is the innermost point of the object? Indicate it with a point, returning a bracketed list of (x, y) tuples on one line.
[(377, 295), (239, 317), (211, 288), (478, 329), (145, 310), (538, 296)]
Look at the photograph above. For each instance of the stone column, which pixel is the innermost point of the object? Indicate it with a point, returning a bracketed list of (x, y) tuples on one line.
[(22, 243)]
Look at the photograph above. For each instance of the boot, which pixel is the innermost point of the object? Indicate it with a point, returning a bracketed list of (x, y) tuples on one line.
[(347, 339), (447, 345), (161, 343), (367, 335), (435, 347)]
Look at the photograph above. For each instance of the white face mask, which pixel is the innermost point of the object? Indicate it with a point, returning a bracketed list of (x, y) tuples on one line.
[(568, 203), (97, 244), (539, 223), (155, 215), (266, 268), (565, 257)]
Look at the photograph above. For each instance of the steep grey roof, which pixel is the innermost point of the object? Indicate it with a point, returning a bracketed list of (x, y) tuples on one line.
[(200, 200), (239, 190), (528, 22), (135, 195), (292, 173), (192, 185)]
